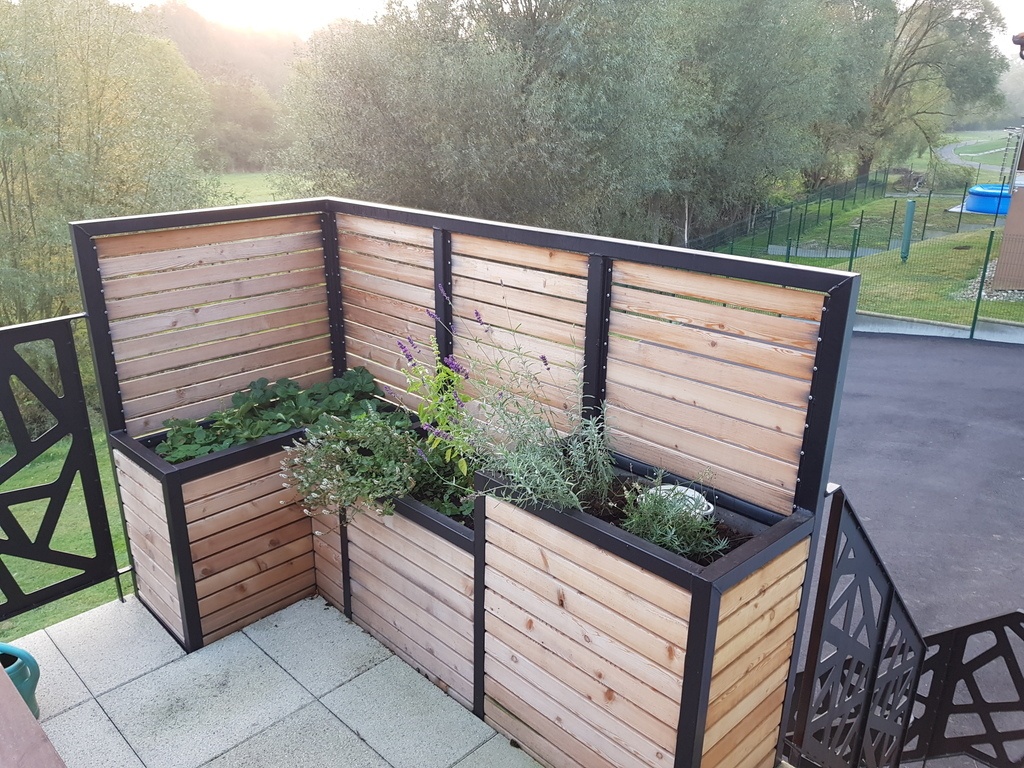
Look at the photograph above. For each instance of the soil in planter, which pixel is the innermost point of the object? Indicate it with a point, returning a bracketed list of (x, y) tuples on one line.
[(614, 512)]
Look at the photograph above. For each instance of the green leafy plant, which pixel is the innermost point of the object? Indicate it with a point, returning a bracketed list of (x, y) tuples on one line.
[(346, 465), (673, 521), (266, 408)]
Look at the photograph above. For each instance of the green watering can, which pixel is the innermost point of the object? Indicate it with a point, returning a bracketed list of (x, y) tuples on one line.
[(23, 670)]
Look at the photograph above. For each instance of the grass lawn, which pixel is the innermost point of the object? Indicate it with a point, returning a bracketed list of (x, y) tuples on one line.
[(239, 188), (72, 535)]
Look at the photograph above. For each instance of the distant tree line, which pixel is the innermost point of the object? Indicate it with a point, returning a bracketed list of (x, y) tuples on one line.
[(650, 119)]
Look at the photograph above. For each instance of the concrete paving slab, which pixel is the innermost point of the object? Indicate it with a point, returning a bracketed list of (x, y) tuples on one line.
[(407, 719), (317, 645), (115, 643), (497, 752), (196, 708), (310, 738), (85, 737), (60, 688)]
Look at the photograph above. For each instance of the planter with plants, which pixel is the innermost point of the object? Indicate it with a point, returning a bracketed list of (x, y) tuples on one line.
[(216, 539)]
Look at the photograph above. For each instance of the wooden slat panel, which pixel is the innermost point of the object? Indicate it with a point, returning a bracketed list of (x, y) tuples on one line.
[(645, 585), (166, 614), (398, 326), (327, 558), (681, 364), (408, 255), (771, 598), (414, 543), (716, 453), (575, 575), (549, 329), (220, 390), (495, 343), (776, 499), (388, 342), (781, 635), (392, 289), (183, 268), (772, 358), (376, 267), (224, 587), (149, 571), (575, 629), (253, 527), (722, 428), (232, 331), (716, 318), (757, 744), (289, 593), (252, 548), (728, 651), (768, 298), (760, 581), (633, 637), (142, 538), (723, 723), (188, 237), (270, 496), (540, 747), (598, 691), (661, 703), (545, 696), (386, 230), (244, 598), (217, 483), (547, 259), (233, 347), (549, 283), (424, 660), (474, 294)]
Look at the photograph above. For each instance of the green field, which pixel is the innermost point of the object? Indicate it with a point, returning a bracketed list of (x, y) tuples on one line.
[(240, 188), (72, 535)]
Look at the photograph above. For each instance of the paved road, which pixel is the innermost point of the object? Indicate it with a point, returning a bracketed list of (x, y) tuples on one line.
[(948, 153), (930, 450)]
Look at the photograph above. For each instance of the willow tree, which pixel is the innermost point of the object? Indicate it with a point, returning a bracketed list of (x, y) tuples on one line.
[(96, 119)]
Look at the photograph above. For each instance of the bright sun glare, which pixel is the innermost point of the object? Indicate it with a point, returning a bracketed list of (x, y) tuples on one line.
[(300, 17)]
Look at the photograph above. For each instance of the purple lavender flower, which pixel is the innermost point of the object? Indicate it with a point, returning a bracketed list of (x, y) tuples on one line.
[(421, 454), (389, 391), (544, 362), (456, 366), (478, 316), (407, 353), (412, 343), (432, 315), (444, 293), (439, 433)]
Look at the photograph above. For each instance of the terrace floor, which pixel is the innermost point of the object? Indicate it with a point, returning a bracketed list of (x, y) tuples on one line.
[(301, 688)]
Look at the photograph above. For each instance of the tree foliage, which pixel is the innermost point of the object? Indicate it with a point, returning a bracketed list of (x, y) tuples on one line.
[(96, 119)]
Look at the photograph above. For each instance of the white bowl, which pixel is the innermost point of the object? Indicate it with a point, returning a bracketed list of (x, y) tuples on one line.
[(690, 499)]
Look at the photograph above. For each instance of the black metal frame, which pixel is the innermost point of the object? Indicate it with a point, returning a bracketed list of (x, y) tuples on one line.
[(71, 419), (842, 716)]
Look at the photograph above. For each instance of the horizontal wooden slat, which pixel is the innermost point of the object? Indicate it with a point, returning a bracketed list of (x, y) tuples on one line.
[(248, 596), (673, 599), (770, 601), (191, 317), (284, 594), (409, 255), (386, 230), (633, 637), (182, 268), (576, 630), (252, 549), (472, 294), (717, 318), (589, 686), (743, 434), (681, 364), (716, 453), (255, 493), (724, 719), (217, 483), (253, 527), (759, 648), (540, 742), (756, 745), (377, 267), (549, 283), (742, 486), (400, 327), (142, 537), (547, 259), (550, 330), (227, 585), (728, 651), (416, 544), (392, 289), (188, 237), (740, 293), (772, 358), (757, 583)]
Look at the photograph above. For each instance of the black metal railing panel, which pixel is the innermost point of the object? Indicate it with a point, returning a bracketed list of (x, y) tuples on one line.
[(44, 417), (854, 697), (971, 698)]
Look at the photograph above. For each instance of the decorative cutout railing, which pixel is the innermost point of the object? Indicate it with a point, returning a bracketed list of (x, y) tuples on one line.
[(37, 563)]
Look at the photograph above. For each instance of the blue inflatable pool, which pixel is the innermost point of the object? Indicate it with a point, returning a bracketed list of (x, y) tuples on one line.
[(986, 198)]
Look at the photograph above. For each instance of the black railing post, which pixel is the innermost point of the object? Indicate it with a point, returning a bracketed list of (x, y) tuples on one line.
[(595, 343), (444, 316), (981, 283), (332, 277)]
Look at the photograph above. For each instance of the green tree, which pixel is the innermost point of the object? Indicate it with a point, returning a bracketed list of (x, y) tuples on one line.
[(96, 119), (939, 61)]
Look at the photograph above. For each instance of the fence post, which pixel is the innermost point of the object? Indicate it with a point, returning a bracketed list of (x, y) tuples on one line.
[(999, 200), (856, 183), (963, 202), (981, 285), (771, 230), (892, 224), (927, 207), (908, 230), (732, 247), (853, 247), (789, 246), (831, 218), (885, 182), (789, 222), (799, 231), (821, 194)]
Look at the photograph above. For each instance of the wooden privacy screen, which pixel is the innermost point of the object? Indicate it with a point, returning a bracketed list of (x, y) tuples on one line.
[(707, 371), (197, 313)]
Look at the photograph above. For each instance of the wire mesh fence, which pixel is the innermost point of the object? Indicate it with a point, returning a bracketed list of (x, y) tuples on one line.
[(921, 257)]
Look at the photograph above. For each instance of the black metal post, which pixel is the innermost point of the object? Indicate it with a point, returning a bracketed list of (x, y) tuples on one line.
[(892, 224), (332, 277), (981, 285), (963, 202), (445, 317), (595, 346), (927, 207)]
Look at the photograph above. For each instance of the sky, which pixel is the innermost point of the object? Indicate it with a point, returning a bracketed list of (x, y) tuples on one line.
[(302, 17)]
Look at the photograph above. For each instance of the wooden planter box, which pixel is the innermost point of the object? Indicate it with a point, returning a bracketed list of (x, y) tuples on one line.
[(217, 542), (600, 649)]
